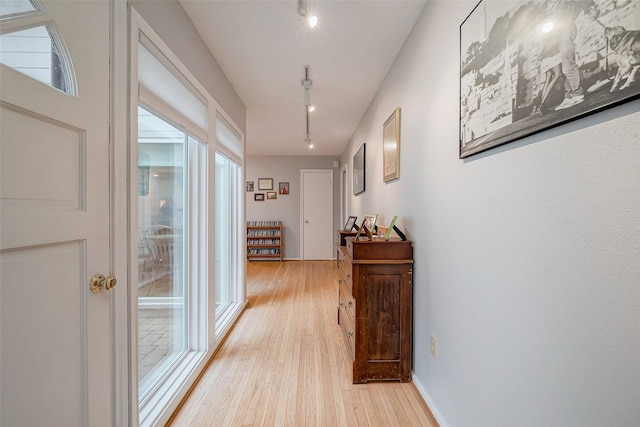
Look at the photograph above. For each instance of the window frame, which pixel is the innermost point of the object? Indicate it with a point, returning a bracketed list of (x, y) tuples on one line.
[(209, 333)]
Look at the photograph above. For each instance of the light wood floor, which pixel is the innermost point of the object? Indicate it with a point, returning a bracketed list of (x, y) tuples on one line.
[(285, 363)]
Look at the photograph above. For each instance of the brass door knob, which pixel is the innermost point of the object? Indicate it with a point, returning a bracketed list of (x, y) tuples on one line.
[(98, 282)]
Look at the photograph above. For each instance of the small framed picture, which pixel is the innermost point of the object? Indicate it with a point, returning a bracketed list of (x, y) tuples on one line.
[(249, 186), (351, 221), (265, 183), (369, 221), (283, 188), (390, 228), (272, 195), (258, 197)]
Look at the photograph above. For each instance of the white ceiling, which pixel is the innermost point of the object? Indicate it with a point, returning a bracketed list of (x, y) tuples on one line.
[(263, 46)]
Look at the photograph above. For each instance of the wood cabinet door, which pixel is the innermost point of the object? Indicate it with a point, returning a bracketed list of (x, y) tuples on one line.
[(384, 295)]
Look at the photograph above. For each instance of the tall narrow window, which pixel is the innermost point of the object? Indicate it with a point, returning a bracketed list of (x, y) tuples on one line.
[(229, 222), (226, 232), (162, 297)]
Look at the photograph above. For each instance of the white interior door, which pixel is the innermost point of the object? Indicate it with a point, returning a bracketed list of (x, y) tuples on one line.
[(317, 214), (55, 365)]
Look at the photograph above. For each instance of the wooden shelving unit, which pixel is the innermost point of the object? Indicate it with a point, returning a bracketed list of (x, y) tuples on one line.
[(265, 240)]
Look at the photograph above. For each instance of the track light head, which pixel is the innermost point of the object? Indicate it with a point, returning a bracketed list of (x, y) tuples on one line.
[(312, 19)]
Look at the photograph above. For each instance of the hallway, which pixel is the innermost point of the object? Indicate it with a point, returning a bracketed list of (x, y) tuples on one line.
[(285, 362)]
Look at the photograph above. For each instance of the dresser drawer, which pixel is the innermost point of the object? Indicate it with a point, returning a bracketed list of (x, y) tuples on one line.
[(347, 325), (344, 265), (346, 300)]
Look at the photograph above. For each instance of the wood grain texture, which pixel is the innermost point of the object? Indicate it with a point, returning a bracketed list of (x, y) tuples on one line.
[(285, 363)]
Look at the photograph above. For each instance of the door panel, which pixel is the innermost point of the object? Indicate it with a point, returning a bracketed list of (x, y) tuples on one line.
[(22, 187), (37, 285), (55, 334)]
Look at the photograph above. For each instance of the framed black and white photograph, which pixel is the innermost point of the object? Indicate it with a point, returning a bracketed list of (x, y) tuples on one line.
[(391, 147), (526, 66), (249, 186), (258, 197), (359, 170), (265, 184)]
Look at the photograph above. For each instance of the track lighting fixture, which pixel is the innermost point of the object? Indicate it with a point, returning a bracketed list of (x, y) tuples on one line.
[(306, 84)]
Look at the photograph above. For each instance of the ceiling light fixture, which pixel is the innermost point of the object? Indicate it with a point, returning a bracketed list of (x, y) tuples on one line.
[(306, 84), (312, 20)]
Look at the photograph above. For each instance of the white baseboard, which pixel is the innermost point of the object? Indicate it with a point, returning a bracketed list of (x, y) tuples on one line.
[(434, 410)]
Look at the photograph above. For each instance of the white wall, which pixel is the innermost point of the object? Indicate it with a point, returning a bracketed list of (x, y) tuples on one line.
[(286, 208), (527, 257)]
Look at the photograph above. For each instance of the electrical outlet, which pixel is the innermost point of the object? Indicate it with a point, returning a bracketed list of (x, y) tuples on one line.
[(434, 346)]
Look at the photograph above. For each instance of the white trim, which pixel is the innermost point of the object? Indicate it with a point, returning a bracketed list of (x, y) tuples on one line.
[(344, 202), (159, 302), (134, 29), (428, 401), (120, 250)]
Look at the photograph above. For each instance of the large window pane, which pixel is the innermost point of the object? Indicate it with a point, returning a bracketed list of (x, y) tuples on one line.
[(162, 296)]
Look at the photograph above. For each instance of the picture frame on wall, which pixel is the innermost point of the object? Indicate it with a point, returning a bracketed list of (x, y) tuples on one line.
[(265, 184), (391, 147), (283, 188), (359, 170), (258, 197), (249, 186), (514, 79), (272, 195)]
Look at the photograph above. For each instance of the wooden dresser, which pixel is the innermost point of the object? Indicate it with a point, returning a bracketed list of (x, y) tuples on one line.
[(375, 307)]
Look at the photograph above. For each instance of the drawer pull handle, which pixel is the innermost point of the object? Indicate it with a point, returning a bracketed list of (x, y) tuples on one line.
[(349, 334), (350, 303)]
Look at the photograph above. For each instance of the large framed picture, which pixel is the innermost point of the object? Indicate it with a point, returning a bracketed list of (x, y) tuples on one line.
[(526, 66), (359, 170), (391, 146)]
